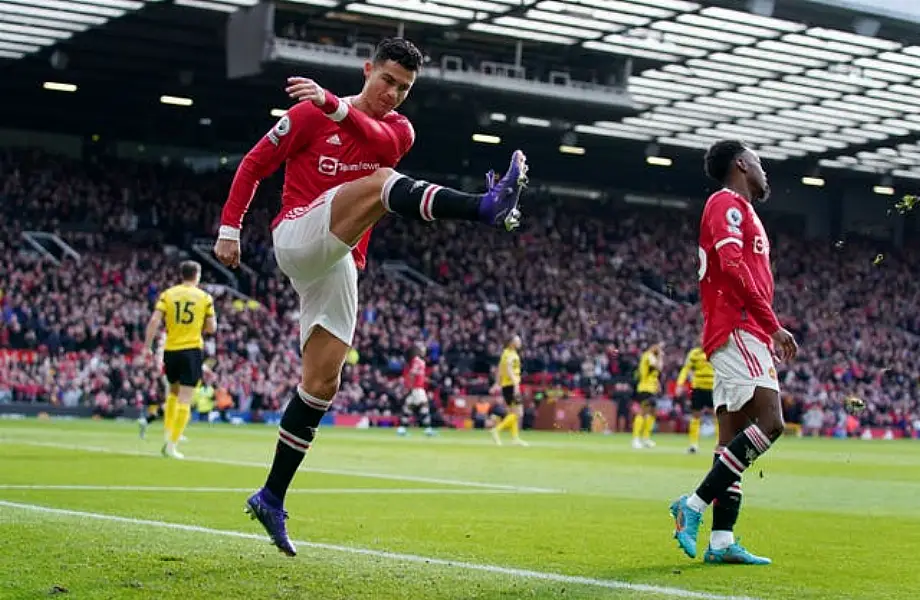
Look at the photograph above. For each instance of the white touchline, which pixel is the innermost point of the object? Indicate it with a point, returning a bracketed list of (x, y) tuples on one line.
[(157, 488), (413, 558), (244, 463)]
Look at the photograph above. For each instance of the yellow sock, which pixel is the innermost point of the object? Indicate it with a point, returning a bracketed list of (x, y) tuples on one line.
[(505, 423), (183, 413), (694, 431), (638, 423), (169, 413), (648, 427), (514, 425)]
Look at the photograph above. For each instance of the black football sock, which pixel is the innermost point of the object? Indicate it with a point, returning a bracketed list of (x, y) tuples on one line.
[(727, 505), (740, 453), (423, 201), (295, 434)]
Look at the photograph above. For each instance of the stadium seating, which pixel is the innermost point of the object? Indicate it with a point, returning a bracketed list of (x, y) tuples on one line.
[(588, 289)]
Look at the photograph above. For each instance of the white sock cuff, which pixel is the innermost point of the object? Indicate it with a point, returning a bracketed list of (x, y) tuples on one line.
[(696, 503), (720, 540), (313, 401), (387, 186)]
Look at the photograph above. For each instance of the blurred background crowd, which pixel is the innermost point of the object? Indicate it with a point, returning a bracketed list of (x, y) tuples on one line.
[(587, 286)]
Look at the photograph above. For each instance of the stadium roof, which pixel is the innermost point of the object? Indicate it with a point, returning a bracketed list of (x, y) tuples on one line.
[(801, 81)]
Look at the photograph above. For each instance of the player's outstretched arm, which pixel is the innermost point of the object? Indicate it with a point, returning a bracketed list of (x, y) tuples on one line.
[(391, 139)]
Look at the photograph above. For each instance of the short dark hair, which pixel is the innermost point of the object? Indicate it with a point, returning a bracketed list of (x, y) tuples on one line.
[(401, 51), (719, 158), (189, 269)]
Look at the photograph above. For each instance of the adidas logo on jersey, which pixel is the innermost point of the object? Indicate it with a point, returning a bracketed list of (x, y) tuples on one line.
[(334, 140)]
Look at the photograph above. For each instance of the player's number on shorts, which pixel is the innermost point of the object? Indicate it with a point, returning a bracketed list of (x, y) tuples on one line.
[(184, 314), (703, 263)]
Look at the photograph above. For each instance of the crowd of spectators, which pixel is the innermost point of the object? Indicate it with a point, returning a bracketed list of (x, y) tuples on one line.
[(587, 286)]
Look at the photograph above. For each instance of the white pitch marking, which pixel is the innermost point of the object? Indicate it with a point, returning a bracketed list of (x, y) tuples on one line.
[(610, 584), (243, 463), (154, 488)]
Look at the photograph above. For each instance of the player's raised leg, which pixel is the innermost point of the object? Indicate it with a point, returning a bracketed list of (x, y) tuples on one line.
[(359, 205)]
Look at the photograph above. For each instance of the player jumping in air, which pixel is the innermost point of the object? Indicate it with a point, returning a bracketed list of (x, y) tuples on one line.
[(339, 182), (187, 311), (740, 336)]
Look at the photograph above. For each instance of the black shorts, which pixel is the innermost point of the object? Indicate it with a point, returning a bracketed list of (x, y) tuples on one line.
[(645, 398), (510, 397), (700, 399), (183, 366)]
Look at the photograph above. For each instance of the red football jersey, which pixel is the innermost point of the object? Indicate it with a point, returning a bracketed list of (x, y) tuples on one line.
[(323, 147), (736, 283), (414, 373)]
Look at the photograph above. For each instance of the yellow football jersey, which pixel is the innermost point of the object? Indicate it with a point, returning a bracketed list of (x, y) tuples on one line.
[(185, 309), (649, 376), (703, 374), (510, 358)]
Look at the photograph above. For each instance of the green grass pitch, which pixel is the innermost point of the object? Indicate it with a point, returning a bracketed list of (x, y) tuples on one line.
[(87, 510)]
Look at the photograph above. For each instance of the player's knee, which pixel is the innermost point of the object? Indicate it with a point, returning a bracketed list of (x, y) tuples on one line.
[(321, 385), (774, 427), (378, 178)]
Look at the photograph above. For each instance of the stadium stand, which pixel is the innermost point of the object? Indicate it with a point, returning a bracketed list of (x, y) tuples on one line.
[(593, 290)]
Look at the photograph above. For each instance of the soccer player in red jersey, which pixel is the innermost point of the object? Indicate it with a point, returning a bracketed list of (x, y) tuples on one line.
[(415, 380), (339, 182), (741, 334)]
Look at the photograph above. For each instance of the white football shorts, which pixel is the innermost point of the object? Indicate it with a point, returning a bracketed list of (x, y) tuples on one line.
[(417, 397), (741, 365), (321, 269)]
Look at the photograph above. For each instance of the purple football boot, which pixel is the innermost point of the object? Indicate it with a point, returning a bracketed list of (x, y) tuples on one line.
[(499, 204), (265, 507)]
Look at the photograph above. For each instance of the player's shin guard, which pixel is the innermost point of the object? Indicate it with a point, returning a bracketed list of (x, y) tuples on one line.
[(740, 453), (422, 201), (295, 435)]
